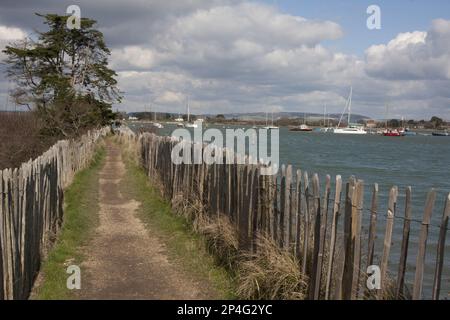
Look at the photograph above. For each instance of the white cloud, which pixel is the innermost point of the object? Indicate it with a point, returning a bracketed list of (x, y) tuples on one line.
[(133, 57), (11, 33), (242, 56), (413, 55)]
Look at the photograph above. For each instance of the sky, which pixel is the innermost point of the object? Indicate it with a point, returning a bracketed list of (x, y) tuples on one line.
[(232, 56)]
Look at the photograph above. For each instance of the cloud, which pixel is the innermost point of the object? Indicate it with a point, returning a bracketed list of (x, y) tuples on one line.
[(413, 55), (246, 56), (11, 33)]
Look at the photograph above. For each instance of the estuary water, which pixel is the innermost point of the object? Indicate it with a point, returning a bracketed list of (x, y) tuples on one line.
[(422, 162)]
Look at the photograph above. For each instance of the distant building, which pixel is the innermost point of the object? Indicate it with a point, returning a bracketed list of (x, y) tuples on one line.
[(132, 118), (370, 123)]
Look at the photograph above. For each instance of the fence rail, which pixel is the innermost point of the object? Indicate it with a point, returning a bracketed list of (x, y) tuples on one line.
[(323, 229), (31, 209)]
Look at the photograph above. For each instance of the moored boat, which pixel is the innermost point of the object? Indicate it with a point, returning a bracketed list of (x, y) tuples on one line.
[(392, 133), (301, 128), (441, 134), (351, 128)]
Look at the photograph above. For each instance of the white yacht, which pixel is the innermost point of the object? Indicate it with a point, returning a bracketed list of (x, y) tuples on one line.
[(189, 124), (351, 128), (157, 124), (272, 126)]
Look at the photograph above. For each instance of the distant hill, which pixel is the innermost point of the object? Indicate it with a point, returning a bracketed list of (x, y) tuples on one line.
[(260, 116), (257, 116)]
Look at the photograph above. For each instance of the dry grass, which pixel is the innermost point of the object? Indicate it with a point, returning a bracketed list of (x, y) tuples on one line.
[(219, 233), (271, 273), (221, 238)]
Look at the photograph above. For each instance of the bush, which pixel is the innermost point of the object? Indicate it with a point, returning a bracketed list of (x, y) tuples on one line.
[(21, 138)]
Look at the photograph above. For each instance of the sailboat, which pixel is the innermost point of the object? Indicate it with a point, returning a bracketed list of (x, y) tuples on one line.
[(301, 128), (156, 124), (271, 127), (189, 124), (351, 128)]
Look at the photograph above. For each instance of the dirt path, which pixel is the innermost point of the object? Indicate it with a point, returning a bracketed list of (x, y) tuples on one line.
[(123, 260)]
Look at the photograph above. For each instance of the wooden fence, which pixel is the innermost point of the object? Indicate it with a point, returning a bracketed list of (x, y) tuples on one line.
[(31, 209), (320, 226)]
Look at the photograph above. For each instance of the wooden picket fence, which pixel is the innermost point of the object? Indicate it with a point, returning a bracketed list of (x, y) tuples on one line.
[(31, 209), (322, 229)]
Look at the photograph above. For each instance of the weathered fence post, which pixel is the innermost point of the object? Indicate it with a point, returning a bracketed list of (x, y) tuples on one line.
[(316, 258), (420, 262), (347, 277), (393, 194), (404, 248), (373, 225), (298, 209), (334, 224), (306, 225), (441, 250)]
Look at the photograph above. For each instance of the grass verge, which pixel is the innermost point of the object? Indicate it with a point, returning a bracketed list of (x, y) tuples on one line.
[(184, 246), (80, 219)]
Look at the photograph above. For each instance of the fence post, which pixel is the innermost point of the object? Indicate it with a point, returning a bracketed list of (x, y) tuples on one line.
[(388, 239), (405, 242), (334, 223), (315, 276), (298, 209), (441, 250), (420, 262), (373, 225), (306, 226), (287, 208), (357, 209), (348, 241)]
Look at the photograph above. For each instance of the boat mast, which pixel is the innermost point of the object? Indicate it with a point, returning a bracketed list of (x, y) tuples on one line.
[(187, 106), (386, 115), (350, 107), (347, 105)]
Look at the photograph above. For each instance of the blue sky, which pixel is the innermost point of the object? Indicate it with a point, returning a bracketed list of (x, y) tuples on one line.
[(396, 15)]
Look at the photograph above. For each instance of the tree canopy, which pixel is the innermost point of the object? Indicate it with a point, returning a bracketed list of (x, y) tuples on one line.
[(64, 75)]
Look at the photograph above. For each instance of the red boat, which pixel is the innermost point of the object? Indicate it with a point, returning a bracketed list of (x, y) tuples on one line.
[(392, 133)]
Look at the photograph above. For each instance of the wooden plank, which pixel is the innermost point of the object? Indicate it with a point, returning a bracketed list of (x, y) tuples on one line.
[(393, 194), (276, 213), (315, 272), (405, 243), (322, 237), (306, 225), (283, 202), (420, 262), (441, 250), (287, 209), (357, 209), (293, 216), (373, 225), (347, 276), (299, 199), (2, 240), (334, 224), (9, 275)]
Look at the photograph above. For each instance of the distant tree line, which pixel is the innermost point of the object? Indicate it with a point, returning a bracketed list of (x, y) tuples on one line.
[(434, 123)]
